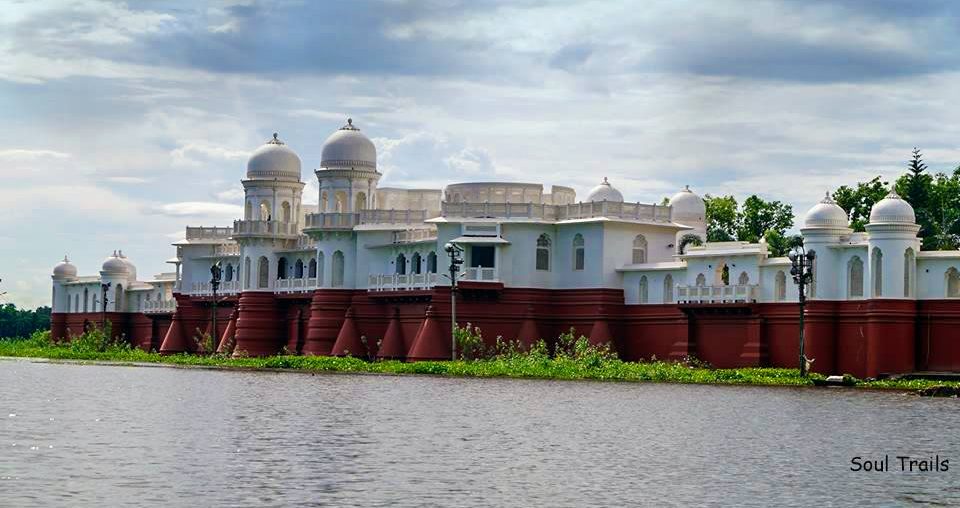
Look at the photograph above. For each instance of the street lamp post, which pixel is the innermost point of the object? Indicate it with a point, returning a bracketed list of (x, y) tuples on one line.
[(104, 288), (215, 274), (802, 272), (455, 252)]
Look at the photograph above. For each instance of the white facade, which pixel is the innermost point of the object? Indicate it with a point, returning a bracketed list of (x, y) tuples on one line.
[(362, 236)]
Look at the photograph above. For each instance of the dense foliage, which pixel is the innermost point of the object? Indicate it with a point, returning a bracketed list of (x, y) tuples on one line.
[(755, 219), (16, 322)]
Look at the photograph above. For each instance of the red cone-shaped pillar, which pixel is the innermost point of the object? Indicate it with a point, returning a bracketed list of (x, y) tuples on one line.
[(393, 347), (327, 309), (58, 326), (258, 330), (229, 334), (600, 332), (432, 342), (348, 340), (175, 341), (293, 331)]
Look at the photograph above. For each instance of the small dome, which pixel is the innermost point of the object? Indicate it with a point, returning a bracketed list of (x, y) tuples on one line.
[(688, 207), (605, 192), (114, 265), (892, 210), (826, 214), (348, 148), (274, 160), (65, 270)]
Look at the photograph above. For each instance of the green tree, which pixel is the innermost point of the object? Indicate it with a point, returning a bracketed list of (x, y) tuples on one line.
[(16, 322), (758, 216), (914, 187), (722, 218), (857, 201), (779, 245), (943, 212)]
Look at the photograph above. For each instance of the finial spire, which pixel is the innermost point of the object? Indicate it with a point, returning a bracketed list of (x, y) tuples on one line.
[(686, 187), (275, 140), (605, 182), (65, 260), (349, 126)]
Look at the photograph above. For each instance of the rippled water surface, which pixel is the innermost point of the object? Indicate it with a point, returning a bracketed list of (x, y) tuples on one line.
[(74, 435)]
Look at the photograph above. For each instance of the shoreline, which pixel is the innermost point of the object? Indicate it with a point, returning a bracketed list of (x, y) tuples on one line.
[(765, 377)]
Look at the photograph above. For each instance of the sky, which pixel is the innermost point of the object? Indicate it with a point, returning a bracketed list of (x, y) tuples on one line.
[(124, 123)]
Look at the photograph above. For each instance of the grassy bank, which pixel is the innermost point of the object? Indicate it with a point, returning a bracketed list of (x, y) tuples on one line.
[(571, 360)]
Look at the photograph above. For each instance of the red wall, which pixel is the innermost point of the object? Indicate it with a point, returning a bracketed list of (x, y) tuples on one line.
[(863, 338)]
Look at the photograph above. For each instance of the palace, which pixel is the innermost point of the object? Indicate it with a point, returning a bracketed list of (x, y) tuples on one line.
[(362, 273)]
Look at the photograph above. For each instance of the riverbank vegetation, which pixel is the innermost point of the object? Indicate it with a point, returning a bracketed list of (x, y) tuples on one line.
[(572, 358)]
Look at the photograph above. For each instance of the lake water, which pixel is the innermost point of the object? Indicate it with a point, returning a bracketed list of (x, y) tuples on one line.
[(73, 435)]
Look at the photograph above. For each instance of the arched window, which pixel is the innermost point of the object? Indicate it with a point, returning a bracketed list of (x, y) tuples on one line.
[(579, 254), (118, 304), (855, 277), (668, 289), (312, 270), (139, 302), (543, 252), (456, 197), (341, 204), (265, 210), (321, 273), (324, 201), (744, 279), (639, 249), (812, 293), (361, 202), (229, 272), (701, 280), (877, 269), (76, 303), (263, 272), (246, 273), (338, 269), (643, 289), (416, 264), (285, 211), (723, 275), (401, 264), (909, 272), (248, 211), (953, 283), (298, 269), (432, 262), (780, 287), (282, 268), (86, 296)]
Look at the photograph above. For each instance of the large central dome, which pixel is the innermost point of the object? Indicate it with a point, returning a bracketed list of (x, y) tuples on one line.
[(274, 160), (348, 148)]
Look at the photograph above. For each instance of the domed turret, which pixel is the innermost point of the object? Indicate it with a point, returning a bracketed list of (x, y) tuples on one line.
[(604, 192), (892, 210), (348, 148), (114, 265), (826, 214), (131, 268), (688, 207), (65, 270), (274, 161)]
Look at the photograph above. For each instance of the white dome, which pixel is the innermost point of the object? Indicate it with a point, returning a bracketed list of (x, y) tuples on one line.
[(114, 265), (274, 160), (892, 210), (688, 207), (65, 270), (826, 214), (348, 148), (131, 268), (605, 192)]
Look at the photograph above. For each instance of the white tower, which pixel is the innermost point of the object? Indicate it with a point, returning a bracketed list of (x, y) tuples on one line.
[(892, 249), (824, 225), (689, 210), (348, 173), (64, 272), (272, 213), (116, 271)]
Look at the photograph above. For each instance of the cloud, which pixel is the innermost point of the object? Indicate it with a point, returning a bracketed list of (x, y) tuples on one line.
[(20, 154), (197, 154), (198, 209)]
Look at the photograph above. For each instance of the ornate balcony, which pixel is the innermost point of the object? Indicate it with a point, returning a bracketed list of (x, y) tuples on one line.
[(740, 293), (480, 274), (208, 233), (295, 285), (347, 220), (629, 211), (401, 282), (160, 307), (205, 289)]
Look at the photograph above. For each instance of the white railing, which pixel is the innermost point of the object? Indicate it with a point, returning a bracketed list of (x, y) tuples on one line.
[(401, 282), (718, 294), (264, 227), (229, 249), (633, 211), (480, 274), (205, 289), (414, 235), (296, 285), (208, 233), (334, 220), (159, 306)]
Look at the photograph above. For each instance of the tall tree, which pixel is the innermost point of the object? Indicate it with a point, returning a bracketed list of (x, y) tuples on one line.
[(857, 201), (943, 212), (758, 216), (722, 218), (914, 186)]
